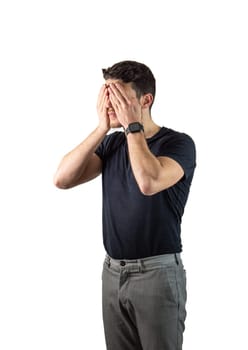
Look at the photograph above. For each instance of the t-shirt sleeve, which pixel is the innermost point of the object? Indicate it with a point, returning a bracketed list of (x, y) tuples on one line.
[(100, 149), (108, 145), (181, 148)]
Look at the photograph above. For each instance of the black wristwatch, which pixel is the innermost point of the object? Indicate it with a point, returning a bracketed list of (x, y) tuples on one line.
[(134, 127)]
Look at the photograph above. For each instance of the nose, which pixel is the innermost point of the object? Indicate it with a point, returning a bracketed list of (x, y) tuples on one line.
[(108, 104)]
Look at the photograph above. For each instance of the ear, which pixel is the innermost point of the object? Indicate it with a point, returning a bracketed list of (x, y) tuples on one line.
[(146, 100)]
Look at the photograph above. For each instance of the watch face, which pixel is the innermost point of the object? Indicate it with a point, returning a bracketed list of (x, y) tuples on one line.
[(135, 127)]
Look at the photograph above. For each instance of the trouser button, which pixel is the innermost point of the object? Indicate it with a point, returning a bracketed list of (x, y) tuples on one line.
[(122, 263)]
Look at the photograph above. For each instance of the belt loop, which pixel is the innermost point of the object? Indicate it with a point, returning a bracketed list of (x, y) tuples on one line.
[(176, 258), (141, 267), (108, 261)]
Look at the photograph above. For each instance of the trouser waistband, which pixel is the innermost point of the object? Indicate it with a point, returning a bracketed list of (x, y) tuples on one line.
[(139, 265)]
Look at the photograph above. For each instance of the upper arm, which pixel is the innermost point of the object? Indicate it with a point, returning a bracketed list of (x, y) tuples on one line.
[(177, 160), (168, 174)]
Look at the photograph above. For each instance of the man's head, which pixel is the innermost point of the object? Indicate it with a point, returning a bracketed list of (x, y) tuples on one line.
[(139, 75)]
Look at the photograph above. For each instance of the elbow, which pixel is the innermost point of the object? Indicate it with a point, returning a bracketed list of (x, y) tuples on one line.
[(146, 188), (60, 183)]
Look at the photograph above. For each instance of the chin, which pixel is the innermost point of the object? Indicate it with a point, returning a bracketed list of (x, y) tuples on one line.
[(114, 123)]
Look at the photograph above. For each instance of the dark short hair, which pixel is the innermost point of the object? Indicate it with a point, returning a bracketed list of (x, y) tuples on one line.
[(138, 74)]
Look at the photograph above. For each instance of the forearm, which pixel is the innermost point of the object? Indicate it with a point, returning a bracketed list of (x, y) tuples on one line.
[(144, 164), (73, 164)]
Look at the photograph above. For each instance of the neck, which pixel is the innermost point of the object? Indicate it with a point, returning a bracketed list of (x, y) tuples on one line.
[(150, 128)]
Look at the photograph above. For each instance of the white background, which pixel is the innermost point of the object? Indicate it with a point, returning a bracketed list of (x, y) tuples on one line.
[(51, 57)]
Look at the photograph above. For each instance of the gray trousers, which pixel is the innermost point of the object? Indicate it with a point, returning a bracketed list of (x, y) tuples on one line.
[(143, 303)]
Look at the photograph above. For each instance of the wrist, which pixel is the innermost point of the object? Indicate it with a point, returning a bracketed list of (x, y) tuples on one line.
[(103, 129), (128, 122), (134, 127)]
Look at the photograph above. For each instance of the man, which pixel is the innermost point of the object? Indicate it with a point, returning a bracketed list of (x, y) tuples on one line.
[(146, 176)]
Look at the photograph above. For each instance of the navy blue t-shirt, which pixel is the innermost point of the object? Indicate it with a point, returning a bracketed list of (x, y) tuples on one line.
[(135, 225)]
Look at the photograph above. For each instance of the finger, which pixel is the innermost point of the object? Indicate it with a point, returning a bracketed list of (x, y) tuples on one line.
[(103, 88), (121, 90), (123, 93), (106, 101), (114, 101), (102, 93), (118, 94)]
